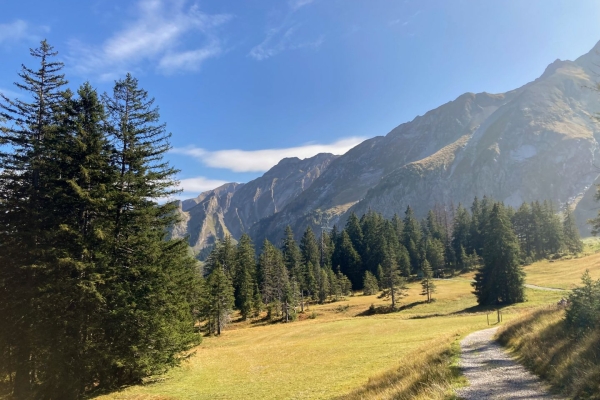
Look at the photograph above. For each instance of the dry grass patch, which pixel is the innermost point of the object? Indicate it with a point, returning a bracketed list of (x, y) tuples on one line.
[(547, 347), (562, 274)]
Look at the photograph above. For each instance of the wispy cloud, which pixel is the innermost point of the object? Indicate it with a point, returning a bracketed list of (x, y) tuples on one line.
[(9, 93), (199, 184), (404, 22), (284, 36), (18, 30), (156, 35), (297, 4), (262, 160)]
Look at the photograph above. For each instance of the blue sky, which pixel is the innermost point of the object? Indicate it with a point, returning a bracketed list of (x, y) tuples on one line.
[(243, 83)]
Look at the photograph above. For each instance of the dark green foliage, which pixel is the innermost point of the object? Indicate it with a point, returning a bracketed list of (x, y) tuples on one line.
[(394, 285), (348, 260), (427, 283), (370, 284), (92, 294), (309, 249), (218, 300), (583, 313), (571, 236), (245, 276), (500, 280), (274, 279), (411, 238)]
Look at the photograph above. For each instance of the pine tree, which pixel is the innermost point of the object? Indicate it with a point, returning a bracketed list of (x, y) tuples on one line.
[(219, 299), (244, 282), (309, 249), (500, 280), (370, 284), (26, 212), (354, 230), (571, 236), (348, 260), (427, 282), (147, 332), (460, 238), (411, 238), (393, 283), (293, 262)]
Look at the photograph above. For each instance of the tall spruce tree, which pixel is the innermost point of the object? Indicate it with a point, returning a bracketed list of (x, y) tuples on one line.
[(427, 283), (571, 236), (218, 301), (147, 288), (501, 278), (412, 238), (27, 176), (245, 278), (394, 285)]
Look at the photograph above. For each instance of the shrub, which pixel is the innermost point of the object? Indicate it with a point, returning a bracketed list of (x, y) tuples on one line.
[(583, 313)]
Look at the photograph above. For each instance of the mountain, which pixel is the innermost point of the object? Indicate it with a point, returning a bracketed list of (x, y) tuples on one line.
[(233, 208), (537, 142)]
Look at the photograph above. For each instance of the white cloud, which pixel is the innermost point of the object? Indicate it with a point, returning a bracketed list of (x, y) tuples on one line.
[(20, 30), (156, 35), (262, 160), (199, 184)]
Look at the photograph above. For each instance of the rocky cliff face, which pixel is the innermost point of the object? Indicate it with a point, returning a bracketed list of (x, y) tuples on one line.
[(535, 142), (233, 208)]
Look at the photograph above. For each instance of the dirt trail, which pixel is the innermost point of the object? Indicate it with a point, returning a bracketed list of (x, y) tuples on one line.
[(492, 374)]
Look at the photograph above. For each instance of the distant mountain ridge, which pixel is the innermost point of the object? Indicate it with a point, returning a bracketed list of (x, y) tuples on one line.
[(537, 142), (233, 208)]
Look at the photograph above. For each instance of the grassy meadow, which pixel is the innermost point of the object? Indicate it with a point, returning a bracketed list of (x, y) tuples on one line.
[(341, 352), (566, 273)]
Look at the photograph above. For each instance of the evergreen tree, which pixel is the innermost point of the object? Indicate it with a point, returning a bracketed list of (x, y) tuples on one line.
[(26, 208), (273, 277), (354, 230), (293, 263), (412, 238), (460, 238), (427, 282), (500, 280), (244, 282), (393, 282), (370, 284), (309, 249), (434, 254), (348, 260), (571, 236), (219, 300), (323, 288)]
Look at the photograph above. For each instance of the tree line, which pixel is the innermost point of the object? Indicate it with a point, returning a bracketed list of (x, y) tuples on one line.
[(92, 294), (379, 255)]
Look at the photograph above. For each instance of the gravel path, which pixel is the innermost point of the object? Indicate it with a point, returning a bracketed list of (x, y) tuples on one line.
[(551, 289), (492, 374)]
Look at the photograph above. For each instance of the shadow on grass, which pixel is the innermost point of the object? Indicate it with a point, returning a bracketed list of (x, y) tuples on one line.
[(374, 310)]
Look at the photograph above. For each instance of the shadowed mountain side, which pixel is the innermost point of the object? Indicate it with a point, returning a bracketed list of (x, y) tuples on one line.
[(233, 208)]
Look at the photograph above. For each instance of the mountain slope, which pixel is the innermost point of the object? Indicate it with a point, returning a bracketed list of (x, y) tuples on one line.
[(535, 142), (233, 208)]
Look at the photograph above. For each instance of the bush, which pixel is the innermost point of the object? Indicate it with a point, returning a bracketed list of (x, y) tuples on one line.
[(583, 313)]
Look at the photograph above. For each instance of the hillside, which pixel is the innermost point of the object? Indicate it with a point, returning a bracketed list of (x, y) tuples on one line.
[(233, 208)]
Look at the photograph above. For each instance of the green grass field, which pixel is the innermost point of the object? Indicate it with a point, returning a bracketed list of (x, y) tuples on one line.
[(332, 355)]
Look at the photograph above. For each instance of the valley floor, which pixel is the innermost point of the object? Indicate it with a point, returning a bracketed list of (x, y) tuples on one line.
[(338, 351)]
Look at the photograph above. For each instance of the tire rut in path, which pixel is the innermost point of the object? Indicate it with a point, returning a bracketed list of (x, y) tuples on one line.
[(493, 374)]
